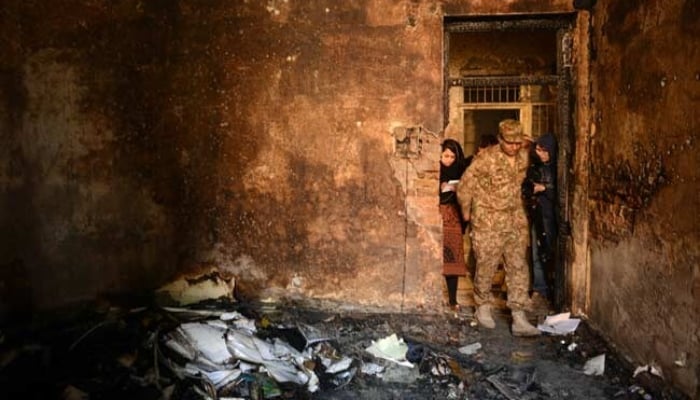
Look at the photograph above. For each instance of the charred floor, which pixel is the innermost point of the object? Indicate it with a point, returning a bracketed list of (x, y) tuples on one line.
[(111, 352)]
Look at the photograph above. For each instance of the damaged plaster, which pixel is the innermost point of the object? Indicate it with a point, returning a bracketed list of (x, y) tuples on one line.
[(644, 183)]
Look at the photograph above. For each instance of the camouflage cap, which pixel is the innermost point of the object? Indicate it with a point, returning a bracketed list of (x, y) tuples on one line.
[(511, 130)]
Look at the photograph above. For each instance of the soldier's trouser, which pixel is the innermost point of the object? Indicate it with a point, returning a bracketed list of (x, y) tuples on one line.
[(490, 248)]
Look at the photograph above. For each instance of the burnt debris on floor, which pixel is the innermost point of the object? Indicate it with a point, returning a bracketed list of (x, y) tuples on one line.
[(225, 350)]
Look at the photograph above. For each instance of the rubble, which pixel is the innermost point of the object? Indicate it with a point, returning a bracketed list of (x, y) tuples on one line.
[(225, 350)]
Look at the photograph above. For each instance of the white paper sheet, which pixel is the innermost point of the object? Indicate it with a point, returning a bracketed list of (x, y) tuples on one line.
[(559, 324), (595, 366), (390, 348)]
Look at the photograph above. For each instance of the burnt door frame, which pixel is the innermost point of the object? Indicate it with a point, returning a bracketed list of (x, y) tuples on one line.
[(563, 26)]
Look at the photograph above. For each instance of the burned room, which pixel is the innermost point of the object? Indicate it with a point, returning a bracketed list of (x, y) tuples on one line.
[(367, 199)]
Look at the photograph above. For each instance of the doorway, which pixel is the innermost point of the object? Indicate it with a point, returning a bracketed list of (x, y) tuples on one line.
[(498, 67), (480, 122)]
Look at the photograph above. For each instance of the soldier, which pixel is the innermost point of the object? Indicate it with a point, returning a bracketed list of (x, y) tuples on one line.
[(490, 197)]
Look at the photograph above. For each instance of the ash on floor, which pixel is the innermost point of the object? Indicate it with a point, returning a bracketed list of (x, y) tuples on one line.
[(287, 351)]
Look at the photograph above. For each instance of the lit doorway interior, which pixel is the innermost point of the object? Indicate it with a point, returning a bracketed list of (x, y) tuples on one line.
[(533, 105), (513, 67)]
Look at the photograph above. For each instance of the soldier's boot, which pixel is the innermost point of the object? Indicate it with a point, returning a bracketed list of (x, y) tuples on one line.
[(484, 317), (521, 326)]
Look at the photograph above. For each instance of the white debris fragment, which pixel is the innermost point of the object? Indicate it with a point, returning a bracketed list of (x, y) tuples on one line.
[(282, 362), (470, 348), (219, 378), (208, 340), (233, 315), (650, 368), (340, 365), (560, 324), (595, 365), (371, 369), (682, 361), (390, 348), (194, 288)]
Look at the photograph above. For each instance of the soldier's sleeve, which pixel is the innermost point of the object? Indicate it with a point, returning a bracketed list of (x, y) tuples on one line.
[(527, 188), (467, 188)]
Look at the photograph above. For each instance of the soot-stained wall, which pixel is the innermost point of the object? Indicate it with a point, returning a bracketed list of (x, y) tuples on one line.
[(645, 224), (146, 139)]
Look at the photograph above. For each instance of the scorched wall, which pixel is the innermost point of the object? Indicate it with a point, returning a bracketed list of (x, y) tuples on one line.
[(142, 139), (645, 224)]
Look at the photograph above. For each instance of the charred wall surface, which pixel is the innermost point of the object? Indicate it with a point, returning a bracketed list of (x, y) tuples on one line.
[(645, 225), (294, 144)]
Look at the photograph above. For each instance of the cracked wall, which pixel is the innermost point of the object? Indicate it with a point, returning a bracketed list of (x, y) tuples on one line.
[(148, 139)]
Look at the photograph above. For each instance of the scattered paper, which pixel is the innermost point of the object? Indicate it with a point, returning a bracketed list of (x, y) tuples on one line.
[(372, 369), (219, 378), (595, 366), (200, 342), (470, 348), (560, 324), (339, 366), (390, 348), (553, 319), (280, 360)]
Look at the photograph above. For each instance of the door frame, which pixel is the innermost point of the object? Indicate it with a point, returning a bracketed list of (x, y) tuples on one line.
[(563, 25)]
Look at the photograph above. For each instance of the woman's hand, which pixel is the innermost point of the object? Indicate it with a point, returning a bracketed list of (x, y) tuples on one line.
[(538, 187)]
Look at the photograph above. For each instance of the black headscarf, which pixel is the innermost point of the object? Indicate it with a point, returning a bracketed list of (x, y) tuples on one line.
[(549, 143), (457, 168), (453, 172)]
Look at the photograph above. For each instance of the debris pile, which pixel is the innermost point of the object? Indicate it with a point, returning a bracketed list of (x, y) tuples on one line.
[(224, 350)]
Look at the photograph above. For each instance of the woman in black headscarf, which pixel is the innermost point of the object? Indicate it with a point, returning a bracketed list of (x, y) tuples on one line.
[(452, 166), (540, 194)]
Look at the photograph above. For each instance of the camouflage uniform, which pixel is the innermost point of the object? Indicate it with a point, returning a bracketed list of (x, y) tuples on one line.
[(489, 194)]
